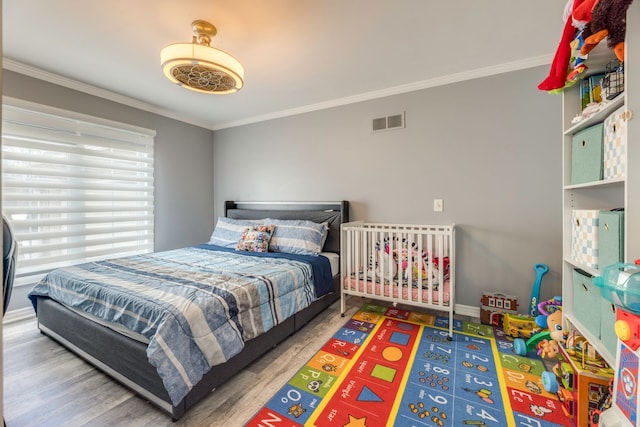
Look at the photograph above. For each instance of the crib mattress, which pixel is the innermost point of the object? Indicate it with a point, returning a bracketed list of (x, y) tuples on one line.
[(400, 292)]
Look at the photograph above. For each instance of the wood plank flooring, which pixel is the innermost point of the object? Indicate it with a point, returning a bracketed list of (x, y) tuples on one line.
[(46, 385)]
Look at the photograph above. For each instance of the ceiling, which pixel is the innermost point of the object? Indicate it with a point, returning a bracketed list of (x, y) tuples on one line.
[(298, 55)]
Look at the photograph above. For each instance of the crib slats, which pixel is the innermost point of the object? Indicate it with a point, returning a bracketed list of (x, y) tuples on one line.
[(407, 264)]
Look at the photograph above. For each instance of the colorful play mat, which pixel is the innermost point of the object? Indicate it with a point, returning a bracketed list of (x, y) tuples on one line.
[(391, 367)]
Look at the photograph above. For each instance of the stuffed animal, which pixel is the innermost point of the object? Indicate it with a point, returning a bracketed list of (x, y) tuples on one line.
[(548, 349), (582, 14), (608, 19), (558, 73), (553, 322), (546, 342)]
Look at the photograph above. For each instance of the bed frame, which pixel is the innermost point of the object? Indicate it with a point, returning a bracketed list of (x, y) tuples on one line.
[(381, 261), (125, 359)]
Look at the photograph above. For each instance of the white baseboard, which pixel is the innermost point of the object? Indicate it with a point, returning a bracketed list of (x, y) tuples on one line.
[(12, 316), (468, 310)]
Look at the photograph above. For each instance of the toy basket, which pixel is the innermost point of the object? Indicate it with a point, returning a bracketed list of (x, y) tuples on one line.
[(613, 81)]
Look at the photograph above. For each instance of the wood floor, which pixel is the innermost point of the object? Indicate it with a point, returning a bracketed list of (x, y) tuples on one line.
[(46, 385)]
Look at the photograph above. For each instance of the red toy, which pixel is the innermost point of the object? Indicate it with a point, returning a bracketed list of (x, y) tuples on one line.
[(627, 328)]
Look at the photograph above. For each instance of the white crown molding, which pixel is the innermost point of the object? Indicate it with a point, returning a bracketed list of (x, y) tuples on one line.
[(47, 76), (395, 90)]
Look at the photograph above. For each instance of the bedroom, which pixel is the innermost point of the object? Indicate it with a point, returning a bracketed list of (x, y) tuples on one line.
[(486, 143)]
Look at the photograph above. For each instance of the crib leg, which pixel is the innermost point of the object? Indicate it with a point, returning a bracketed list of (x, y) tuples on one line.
[(450, 337), (342, 304)]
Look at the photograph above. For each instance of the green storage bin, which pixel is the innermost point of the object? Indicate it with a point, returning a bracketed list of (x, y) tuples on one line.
[(586, 155), (610, 238), (608, 335), (586, 301)]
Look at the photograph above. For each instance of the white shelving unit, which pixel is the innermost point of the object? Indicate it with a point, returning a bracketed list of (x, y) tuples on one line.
[(609, 194)]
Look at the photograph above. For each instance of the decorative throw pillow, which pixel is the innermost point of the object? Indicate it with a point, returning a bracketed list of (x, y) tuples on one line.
[(255, 238), (300, 237), (228, 231)]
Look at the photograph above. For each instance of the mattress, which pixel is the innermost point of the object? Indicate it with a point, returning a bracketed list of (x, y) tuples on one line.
[(334, 262), (402, 292)]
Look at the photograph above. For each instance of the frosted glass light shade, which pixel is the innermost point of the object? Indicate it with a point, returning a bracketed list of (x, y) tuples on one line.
[(202, 68)]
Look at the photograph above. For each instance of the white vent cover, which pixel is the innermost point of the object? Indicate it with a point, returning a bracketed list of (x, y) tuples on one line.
[(395, 121)]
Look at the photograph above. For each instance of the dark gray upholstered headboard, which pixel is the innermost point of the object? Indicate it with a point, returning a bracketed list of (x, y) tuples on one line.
[(335, 213)]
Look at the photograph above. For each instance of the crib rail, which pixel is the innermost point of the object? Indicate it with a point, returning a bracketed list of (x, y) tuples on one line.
[(400, 263)]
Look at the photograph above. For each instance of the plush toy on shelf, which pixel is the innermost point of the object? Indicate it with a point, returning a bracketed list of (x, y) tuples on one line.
[(608, 20), (557, 77)]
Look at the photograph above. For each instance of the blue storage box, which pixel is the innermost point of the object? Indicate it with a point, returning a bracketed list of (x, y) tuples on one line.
[(610, 238), (586, 155), (586, 301)]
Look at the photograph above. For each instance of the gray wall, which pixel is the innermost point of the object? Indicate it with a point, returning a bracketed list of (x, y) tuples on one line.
[(183, 167), (490, 147)]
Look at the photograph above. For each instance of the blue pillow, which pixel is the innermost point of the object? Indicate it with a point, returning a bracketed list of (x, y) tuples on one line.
[(228, 232), (299, 237)]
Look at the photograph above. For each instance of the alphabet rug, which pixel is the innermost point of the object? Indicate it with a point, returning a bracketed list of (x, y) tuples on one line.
[(392, 367)]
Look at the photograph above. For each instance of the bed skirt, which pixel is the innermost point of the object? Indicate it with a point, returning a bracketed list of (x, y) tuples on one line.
[(125, 359)]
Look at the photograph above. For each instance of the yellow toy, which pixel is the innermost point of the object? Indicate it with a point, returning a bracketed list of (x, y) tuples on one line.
[(519, 326)]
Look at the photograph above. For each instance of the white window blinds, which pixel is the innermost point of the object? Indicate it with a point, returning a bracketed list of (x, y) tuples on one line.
[(74, 188)]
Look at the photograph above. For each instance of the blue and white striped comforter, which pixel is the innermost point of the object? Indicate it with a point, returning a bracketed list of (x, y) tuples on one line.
[(196, 306)]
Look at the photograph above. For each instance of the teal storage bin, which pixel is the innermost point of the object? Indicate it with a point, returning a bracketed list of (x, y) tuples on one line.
[(608, 335), (586, 301), (610, 238), (586, 155)]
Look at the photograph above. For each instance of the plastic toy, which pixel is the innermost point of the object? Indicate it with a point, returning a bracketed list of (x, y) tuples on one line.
[(493, 306), (562, 373), (603, 404), (547, 342), (627, 328), (620, 284), (541, 270), (519, 326), (580, 385)]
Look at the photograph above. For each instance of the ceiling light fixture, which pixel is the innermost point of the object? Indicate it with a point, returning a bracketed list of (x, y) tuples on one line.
[(200, 67)]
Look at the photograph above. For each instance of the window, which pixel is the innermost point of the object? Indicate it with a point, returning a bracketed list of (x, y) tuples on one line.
[(74, 188)]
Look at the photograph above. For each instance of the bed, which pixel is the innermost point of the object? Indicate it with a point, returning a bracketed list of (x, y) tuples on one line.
[(114, 313), (400, 263)]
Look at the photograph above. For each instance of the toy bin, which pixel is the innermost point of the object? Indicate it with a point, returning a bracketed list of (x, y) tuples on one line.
[(586, 301), (610, 237), (586, 155), (620, 284)]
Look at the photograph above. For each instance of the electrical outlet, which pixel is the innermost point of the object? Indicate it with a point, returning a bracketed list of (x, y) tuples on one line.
[(438, 205)]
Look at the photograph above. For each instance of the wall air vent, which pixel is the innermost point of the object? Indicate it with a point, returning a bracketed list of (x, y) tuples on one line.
[(395, 121)]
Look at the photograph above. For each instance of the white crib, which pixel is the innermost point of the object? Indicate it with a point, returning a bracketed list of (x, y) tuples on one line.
[(403, 264)]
